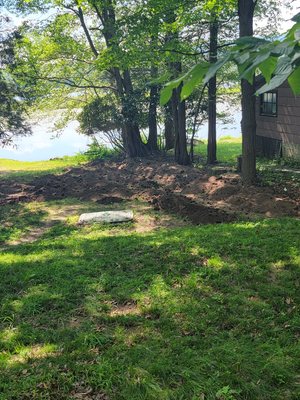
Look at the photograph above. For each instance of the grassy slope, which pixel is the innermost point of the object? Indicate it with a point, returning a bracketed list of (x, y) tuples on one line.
[(28, 169), (209, 312)]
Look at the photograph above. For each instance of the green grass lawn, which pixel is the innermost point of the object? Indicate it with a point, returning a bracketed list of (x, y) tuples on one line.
[(112, 312), (207, 312), (228, 149), (29, 169)]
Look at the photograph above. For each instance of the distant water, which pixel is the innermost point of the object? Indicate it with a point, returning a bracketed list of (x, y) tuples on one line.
[(43, 144)]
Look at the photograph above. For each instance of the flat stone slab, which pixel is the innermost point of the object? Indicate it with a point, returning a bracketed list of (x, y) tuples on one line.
[(106, 217)]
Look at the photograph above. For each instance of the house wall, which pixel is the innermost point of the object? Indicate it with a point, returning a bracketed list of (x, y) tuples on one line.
[(285, 126)]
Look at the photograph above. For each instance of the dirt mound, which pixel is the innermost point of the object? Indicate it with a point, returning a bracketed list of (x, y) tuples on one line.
[(188, 191), (197, 213)]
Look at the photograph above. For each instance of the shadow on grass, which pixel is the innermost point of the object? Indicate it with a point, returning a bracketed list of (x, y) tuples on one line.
[(171, 315), (17, 220)]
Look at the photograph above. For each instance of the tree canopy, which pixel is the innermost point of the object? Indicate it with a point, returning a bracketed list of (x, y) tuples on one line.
[(12, 98), (276, 60)]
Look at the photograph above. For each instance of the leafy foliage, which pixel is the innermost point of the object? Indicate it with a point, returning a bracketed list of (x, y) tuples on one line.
[(12, 100), (98, 151), (277, 61)]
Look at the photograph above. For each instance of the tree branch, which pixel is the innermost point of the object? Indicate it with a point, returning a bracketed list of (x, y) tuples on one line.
[(86, 31)]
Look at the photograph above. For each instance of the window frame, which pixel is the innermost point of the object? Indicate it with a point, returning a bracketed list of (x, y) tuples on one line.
[(262, 102)]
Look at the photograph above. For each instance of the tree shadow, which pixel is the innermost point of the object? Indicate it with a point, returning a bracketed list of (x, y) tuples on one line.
[(171, 314)]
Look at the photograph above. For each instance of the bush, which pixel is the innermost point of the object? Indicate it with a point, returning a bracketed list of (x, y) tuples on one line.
[(98, 151)]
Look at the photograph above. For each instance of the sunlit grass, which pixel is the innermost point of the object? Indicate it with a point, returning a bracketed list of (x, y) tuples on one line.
[(29, 169), (185, 313), (228, 149), (106, 312)]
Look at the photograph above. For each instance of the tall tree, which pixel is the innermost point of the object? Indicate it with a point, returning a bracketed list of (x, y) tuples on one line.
[(212, 95), (246, 13), (93, 56), (105, 11), (178, 104)]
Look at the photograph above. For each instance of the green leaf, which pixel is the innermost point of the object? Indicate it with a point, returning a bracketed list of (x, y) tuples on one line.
[(282, 72), (296, 18), (267, 67), (162, 79), (294, 81), (250, 41), (214, 68), (284, 48), (165, 95), (166, 92), (248, 73), (242, 58), (297, 34), (194, 78)]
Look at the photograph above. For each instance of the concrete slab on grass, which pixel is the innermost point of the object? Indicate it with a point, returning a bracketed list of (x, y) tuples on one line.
[(106, 217)]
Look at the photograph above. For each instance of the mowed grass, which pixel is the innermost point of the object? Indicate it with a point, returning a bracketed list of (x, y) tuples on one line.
[(103, 312), (228, 149), (28, 169)]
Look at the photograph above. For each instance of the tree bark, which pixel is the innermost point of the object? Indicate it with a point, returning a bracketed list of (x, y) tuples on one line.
[(178, 106), (152, 113), (134, 145), (248, 123), (179, 120), (169, 127), (212, 97)]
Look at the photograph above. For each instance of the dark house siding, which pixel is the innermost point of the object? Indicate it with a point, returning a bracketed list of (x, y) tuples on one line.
[(280, 133)]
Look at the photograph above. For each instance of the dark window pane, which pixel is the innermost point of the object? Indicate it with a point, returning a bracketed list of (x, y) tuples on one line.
[(268, 104)]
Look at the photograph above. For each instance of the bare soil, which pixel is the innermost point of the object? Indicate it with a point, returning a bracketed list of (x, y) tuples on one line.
[(196, 194)]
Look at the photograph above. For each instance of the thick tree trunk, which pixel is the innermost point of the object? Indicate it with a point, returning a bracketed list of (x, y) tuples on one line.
[(152, 113), (179, 120), (133, 143), (212, 97), (169, 127), (178, 106), (248, 123)]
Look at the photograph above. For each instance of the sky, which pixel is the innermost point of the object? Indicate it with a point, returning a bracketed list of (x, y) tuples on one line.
[(43, 144)]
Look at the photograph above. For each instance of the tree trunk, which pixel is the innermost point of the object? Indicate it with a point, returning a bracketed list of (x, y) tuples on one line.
[(212, 97), (133, 143), (134, 146), (152, 113), (248, 123), (169, 127), (179, 119)]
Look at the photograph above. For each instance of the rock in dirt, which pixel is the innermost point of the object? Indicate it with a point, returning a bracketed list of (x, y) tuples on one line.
[(106, 217)]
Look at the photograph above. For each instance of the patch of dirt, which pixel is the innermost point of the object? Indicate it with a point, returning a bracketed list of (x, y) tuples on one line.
[(192, 210), (83, 392), (125, 309), (33, 235), (189, 192)]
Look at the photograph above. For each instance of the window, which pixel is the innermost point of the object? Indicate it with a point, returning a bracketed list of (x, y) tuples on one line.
[(268, 104)]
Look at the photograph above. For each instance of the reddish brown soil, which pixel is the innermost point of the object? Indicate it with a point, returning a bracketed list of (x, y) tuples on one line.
[(187, 191)]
